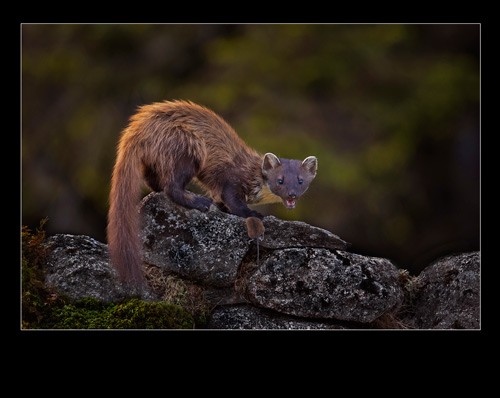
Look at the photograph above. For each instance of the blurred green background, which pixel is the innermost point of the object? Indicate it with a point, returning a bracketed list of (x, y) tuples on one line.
[(391, 111)]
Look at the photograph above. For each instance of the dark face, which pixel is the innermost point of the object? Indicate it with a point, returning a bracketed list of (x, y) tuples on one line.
[(287, 178)]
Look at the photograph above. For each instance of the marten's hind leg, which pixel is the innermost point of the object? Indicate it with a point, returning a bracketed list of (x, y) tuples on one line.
[(183, 173)]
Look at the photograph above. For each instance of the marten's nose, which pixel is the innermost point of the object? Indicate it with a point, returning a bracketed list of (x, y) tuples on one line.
[(292, 195)]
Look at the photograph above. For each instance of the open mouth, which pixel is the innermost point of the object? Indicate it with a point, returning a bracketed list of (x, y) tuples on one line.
[(289, 203)]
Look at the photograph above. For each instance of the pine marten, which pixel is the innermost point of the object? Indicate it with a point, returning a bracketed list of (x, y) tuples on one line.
[(168, 144)]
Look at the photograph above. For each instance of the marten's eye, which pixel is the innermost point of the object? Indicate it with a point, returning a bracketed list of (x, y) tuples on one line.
[(280, 181), (300, 180)]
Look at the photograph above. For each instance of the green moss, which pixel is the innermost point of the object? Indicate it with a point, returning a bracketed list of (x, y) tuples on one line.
[(130, 314), (44, 308)]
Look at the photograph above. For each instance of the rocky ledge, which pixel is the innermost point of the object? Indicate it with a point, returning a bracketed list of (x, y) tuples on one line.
[(297, 277)]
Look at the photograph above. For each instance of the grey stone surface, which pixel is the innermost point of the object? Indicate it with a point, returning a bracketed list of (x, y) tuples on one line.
[(446, 294), (321, 283), (249, 317), (205, 247), (78, 266), (281, 234)]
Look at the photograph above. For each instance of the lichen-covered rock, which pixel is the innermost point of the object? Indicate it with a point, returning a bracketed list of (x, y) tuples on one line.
[(209, 247), (249, 317), (281, 234), (78, 266), (446, 294), (321, 283), (300, 278), (205, 247)]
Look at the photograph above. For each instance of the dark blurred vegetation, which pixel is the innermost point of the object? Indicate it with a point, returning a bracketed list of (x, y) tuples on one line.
[(391, 112)]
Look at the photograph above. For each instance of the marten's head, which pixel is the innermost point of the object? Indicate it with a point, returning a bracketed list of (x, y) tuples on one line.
[(288, 178)]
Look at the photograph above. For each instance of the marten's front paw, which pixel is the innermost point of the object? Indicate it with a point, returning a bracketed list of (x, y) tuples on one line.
[(201, 203), (255, 227)]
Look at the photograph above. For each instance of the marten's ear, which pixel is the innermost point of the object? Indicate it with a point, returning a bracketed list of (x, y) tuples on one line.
[(310, 164), (270, 162)]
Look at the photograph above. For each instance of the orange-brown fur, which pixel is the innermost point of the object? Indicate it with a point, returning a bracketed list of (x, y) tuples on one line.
[(167, 144)]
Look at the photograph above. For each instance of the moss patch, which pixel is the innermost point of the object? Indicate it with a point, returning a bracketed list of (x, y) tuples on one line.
[(130, 314)]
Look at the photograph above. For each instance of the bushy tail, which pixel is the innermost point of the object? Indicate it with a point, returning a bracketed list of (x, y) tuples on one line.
[(123, 219)]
